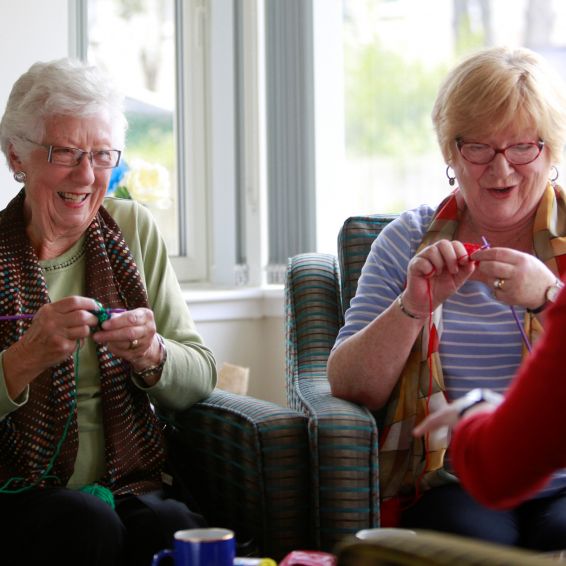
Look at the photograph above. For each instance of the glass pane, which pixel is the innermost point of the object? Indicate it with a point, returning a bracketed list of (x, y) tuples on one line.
[(396, 53), (134, 40)]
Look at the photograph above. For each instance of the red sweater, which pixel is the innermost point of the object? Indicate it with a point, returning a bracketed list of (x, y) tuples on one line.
[(505, 456)]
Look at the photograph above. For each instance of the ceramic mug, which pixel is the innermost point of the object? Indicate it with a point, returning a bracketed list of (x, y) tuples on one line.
[(201, 547)]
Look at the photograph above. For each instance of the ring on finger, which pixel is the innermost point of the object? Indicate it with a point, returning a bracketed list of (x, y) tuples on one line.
[(134, 344), (498, 284)]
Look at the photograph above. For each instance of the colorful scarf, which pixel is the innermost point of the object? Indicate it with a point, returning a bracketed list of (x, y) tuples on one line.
[(409, 466), (134, 448)]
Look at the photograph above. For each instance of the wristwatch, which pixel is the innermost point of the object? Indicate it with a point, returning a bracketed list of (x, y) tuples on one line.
[(477, 396), (153, 371), (550, 296)]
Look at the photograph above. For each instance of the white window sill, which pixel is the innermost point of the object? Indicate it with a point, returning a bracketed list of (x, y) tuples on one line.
[(212, 304)]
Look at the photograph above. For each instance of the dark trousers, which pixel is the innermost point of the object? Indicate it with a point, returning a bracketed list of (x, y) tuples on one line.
[(62, 526), (539, 524)]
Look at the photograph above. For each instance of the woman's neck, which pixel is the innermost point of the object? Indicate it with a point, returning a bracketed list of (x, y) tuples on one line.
[(51, 248), (518, 237)]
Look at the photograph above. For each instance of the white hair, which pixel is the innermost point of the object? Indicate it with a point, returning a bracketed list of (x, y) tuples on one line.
[(60, 87)]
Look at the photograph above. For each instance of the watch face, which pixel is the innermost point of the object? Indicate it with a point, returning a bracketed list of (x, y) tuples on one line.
[(552, 292)]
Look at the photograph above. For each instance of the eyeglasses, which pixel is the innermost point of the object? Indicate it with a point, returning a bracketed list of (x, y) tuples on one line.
[(483, 153), (72, 156)]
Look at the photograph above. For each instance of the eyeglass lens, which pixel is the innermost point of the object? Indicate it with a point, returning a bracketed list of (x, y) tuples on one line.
[(71, 156), (517, 154)]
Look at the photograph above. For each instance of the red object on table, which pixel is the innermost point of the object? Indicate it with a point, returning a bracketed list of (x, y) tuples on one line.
[(308, 558)]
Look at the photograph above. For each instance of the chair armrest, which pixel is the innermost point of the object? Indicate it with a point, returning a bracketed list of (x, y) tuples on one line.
[(246, 463), (342, 435), (343, 440), (428, 548)]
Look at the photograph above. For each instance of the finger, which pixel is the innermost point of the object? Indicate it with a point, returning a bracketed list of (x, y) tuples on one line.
[(432, 422), (136, 317), (74, 303)]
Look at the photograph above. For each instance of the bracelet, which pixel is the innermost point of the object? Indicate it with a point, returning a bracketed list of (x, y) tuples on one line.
[(156, 369), (405, 311)]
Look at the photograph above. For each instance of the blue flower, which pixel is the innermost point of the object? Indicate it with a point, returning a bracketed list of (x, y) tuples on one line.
[(117, 176)]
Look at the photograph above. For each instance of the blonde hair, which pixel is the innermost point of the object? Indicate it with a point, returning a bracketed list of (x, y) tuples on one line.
[(496, 88)]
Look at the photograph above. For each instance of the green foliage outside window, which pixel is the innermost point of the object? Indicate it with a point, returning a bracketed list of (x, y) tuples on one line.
[(150, 137), (388, 101)]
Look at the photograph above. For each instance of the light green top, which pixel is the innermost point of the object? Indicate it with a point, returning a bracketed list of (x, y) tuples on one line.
[(189, 374)]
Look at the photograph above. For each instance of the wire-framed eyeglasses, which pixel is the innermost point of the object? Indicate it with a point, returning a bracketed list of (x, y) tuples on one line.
[(72, 156), (483, 153)]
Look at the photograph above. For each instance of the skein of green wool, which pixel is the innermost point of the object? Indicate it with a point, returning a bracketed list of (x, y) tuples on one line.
[(101, 492)]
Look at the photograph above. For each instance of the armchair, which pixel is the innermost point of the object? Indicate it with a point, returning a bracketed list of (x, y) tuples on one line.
[(245, 463), (342, 435)]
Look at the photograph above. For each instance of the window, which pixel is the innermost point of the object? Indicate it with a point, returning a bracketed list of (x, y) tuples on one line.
[(145, 47), (383, 82)]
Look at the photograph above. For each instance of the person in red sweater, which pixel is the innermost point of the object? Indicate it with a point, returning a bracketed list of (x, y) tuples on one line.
[(505, 450)]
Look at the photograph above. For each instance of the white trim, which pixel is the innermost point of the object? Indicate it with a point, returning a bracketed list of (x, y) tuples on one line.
[(249, 303), (193, 60)]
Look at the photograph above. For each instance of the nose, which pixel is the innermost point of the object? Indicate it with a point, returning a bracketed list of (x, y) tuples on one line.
[(500, 166), (85, 169)]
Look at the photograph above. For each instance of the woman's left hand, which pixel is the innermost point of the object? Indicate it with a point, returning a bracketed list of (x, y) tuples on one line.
[(517, 278), (132, 336)]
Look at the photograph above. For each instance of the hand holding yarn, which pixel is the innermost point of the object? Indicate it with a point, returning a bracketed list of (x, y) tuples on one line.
[(131, 335), (55, 329), (517, 278), (445, 266)]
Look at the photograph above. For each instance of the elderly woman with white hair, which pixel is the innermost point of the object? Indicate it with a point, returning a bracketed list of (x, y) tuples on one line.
[(93, 331)]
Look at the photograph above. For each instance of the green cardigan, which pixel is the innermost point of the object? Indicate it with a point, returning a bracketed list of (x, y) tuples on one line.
[(189, 374)]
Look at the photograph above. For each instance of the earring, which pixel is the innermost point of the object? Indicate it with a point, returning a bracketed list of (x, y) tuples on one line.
[(553, 179), (451, 178), (20, 176)]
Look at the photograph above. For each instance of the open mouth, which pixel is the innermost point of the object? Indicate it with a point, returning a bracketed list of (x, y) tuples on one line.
[(500, 190), (73, 197)]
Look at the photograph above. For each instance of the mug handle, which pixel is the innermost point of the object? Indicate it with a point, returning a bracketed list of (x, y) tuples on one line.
[(161, 554)]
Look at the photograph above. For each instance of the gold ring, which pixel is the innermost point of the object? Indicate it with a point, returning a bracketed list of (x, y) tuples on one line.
[(134, 344), (498, 284)]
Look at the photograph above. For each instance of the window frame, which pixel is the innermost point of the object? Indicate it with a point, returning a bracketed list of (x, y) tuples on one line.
[(191, 127)]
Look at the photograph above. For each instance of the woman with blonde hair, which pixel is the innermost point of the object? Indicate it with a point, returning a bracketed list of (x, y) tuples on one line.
[(429, 323)]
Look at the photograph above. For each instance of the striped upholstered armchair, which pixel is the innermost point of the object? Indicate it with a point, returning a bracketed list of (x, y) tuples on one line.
[(243, 463), (342, 435)]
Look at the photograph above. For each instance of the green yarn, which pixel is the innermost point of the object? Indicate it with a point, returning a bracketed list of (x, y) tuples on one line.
[(101, 313), (101, 492)]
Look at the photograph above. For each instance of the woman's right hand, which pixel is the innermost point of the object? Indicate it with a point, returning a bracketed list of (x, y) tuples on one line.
[(51, 338), (445, 266)]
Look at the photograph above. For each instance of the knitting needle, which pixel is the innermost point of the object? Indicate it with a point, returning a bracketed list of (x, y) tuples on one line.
[(22, 316), (514, 312)]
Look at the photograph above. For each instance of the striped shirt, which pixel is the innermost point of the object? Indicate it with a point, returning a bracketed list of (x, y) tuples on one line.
[(480, 342)]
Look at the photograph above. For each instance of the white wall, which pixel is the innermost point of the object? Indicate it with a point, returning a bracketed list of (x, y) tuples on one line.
[(250, 331), (245, 327), (30, 31)]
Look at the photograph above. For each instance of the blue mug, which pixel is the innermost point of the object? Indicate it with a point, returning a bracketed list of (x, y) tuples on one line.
[(201, 547)]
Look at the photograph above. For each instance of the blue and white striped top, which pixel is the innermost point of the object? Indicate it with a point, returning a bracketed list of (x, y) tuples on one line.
[(480, 343)]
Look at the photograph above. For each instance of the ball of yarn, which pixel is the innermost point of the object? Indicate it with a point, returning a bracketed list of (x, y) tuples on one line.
[(101, 492)]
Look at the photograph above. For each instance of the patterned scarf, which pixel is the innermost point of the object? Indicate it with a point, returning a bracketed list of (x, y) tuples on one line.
[(409, 466), (134, 448)]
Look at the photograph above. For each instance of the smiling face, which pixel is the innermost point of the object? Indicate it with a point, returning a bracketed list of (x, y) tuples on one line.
[(501, 195), (61, 201)]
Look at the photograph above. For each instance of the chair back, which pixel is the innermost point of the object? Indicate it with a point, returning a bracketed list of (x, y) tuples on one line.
[(354, 242)]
